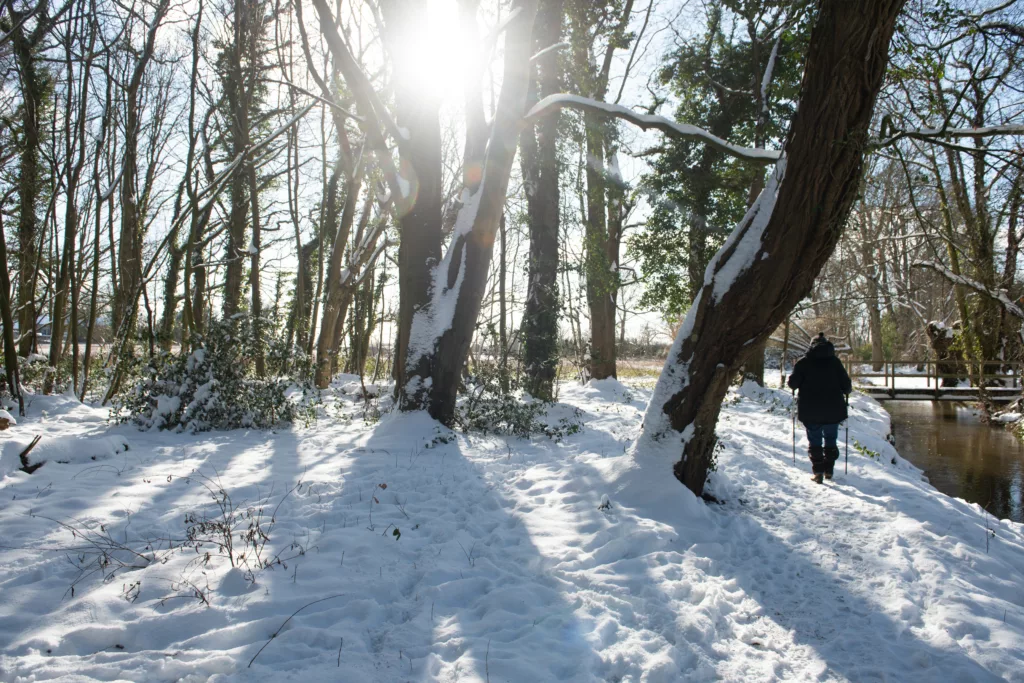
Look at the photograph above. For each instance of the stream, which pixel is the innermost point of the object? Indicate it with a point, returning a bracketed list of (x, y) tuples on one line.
[(961, 455)]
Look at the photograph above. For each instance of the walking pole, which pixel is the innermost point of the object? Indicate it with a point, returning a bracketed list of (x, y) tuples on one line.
[(793, 415), (846, 462)]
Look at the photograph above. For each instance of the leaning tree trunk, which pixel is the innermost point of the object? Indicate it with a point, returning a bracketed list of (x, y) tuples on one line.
[(771, 260), (539, 158), (442, 329), (333, 318)]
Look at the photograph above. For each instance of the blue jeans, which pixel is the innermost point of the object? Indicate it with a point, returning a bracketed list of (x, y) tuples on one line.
[(816, 433)]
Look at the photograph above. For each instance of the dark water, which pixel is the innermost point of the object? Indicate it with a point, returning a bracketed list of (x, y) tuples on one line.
[(962, 456)]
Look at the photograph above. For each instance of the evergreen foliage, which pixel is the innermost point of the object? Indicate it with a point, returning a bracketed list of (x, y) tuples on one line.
[(215, 386)]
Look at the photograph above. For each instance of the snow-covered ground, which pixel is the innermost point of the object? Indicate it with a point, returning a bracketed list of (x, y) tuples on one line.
[(503, 567)]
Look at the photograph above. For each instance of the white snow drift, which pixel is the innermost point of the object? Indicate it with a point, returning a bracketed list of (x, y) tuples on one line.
[(408, 553)]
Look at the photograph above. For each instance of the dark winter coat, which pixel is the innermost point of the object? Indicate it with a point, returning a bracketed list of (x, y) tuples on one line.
[(822, 381)]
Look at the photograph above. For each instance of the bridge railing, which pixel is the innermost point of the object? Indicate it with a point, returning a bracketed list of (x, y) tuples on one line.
[(995, 374)]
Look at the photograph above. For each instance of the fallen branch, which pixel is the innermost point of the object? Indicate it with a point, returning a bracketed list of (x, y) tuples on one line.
[(23, 456)]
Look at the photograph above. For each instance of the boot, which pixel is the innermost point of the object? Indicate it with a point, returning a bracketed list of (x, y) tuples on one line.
[(817, 477), (831, 455), (817, 454)]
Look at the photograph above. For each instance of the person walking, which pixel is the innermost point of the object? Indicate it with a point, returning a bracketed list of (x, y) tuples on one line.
[(824, 387)]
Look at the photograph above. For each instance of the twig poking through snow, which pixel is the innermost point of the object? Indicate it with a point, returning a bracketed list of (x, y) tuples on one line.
[(285, 623)]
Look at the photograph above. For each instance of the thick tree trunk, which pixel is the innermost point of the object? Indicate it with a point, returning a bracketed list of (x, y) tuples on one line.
[(235, 250), (33, 88), (949, 356), (772, 258), (419, 223), (129, 246), (441, 331), (785, 355), (539, 158), (753, 367), (240, 78), (868, 264), (503, 377), (601, 279)]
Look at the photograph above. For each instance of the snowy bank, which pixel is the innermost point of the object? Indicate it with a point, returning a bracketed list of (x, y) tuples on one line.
[(399, 551)]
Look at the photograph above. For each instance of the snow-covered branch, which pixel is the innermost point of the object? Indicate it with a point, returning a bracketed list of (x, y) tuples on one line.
[(769, 70), (549, 49), (998, 294), (671, 128), (942, 132)]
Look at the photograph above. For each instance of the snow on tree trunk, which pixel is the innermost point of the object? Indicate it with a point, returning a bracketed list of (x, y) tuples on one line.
[(442, 329), (770, 261)]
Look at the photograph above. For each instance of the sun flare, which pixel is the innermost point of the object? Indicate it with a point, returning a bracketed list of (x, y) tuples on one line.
[(437, 53)]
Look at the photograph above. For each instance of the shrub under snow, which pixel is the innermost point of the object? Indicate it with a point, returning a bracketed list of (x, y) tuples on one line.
[(213, 387)]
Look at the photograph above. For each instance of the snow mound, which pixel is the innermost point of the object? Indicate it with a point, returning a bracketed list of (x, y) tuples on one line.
[(62, 449), (401, 551)]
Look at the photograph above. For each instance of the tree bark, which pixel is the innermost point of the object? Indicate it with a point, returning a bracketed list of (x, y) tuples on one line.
[(65, 286), (33, 86), (332, 320), (443, 328), (10, 351), (773, 257), (540, 167), (129, 246), (165, 334), (420, 213), (242, 63), (597, 268)]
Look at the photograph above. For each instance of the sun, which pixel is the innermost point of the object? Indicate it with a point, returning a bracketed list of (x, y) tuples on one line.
[(434, 57)]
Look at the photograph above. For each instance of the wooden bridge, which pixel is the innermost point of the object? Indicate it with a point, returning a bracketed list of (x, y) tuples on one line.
[(910, 380)]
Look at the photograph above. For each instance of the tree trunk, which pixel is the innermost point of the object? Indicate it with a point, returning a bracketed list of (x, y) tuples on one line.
[(785, 355), (332, 320), (771, 260), (66, 272), (441, 331), (875, 327), (539, 158), (419, 223), (949, 356), (165, 334), (242, 62), (33, 88), (256, 312), (600, 277), (10, 352), (129, 247), (753, 367)]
